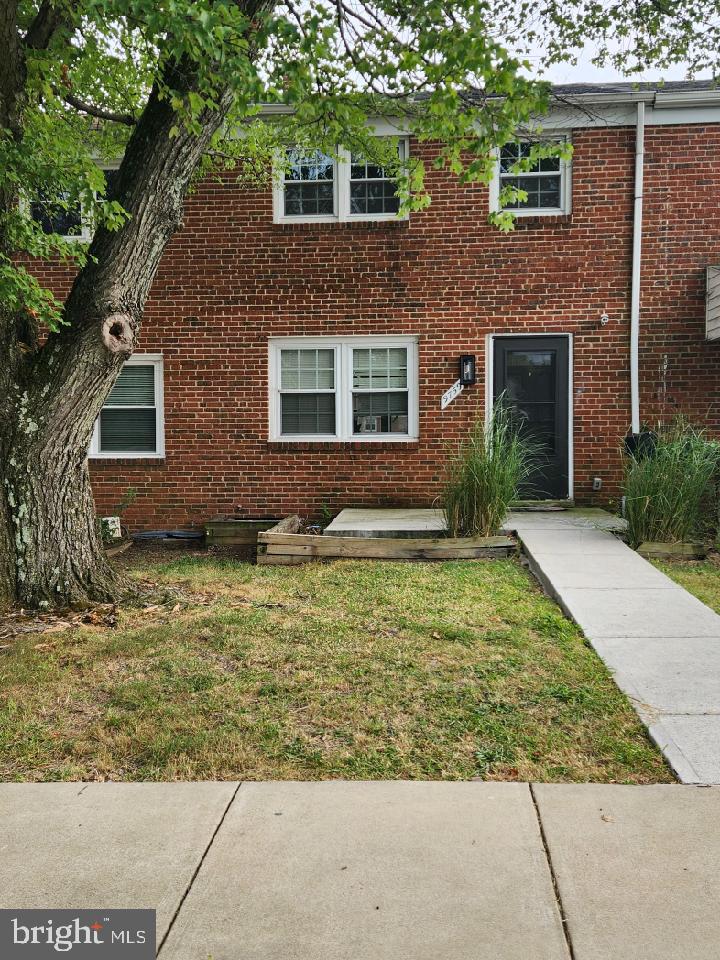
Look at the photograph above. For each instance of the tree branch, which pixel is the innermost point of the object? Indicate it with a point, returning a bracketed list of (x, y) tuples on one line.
[(49, 19), (100, 112)]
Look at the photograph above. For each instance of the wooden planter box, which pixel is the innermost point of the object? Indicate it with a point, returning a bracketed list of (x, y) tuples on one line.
[(232, 532), (284, 545), (656, 550)]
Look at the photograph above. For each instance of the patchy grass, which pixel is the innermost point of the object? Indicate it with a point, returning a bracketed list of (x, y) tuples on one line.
[(701, 578), (355, 669)]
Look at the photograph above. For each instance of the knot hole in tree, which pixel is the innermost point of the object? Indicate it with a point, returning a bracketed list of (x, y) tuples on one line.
[(118, 334)]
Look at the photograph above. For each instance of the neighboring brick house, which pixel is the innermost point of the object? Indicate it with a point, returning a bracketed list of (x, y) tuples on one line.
[(296, 363)]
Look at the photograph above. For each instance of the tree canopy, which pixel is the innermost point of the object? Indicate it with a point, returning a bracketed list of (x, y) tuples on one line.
[(466, 73)]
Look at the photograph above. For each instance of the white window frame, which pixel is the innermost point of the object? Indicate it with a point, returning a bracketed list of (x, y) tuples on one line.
[(343, 347), (565, 186), (96, 453), (86, 226), (341, 195)]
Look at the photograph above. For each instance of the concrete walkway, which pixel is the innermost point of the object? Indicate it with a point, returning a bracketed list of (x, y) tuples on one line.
[(661, 643), (378, 871)]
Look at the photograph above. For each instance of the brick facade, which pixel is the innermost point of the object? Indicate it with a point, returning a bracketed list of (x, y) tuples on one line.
[(231, 278)]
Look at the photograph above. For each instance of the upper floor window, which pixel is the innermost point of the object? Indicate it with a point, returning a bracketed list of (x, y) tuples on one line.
[(344, 388), (546, 183), (59, 214), (131, 421), (319, 188), (309, 185), (373, 189)]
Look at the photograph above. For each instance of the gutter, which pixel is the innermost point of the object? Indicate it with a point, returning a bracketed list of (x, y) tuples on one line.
[(635, 270)]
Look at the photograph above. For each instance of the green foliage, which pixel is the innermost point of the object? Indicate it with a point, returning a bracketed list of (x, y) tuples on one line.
[(670, 493), (327, 69), (485, 473), (457, 73)]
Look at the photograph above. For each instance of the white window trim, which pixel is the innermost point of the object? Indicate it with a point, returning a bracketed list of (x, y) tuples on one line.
[(343, 347), (86, 226), (341, 196), (95, 453), (565, 188)]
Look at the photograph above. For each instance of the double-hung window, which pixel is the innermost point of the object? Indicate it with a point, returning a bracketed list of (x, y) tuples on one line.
[(309, 185), (345, 388), (131, 421), (373, 189), (315, 187), (546, 183), (58, 214)]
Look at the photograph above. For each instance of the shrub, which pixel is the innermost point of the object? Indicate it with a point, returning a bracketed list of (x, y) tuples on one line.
[(485, 473), (670, 492)]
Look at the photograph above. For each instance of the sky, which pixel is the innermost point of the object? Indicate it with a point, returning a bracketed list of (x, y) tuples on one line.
[(585, 72)]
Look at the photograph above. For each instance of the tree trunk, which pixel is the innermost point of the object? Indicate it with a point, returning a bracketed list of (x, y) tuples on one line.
[(50, 550)]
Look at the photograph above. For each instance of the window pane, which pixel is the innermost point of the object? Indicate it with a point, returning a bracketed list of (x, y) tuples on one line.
[(309, 199), (127, 431), (380, 367), (54, 217), (380, 413), (307, 370), (134, 387), (312, 413), (509, 156), (530, 376), (512, 152), (373, 196), (543, 191), (312, 166)]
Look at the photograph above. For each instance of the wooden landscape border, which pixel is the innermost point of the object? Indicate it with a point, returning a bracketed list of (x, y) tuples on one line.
[(284, 545)]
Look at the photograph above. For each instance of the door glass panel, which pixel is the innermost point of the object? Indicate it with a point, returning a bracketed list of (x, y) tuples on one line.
[(530, 387)]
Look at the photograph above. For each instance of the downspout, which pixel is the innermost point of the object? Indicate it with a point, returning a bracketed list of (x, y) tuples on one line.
[(636, 263)]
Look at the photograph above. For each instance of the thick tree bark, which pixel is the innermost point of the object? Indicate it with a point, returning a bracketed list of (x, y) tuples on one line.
[(51, 554)]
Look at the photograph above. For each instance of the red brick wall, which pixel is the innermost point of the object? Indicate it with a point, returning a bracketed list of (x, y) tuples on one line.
[(231, 278)]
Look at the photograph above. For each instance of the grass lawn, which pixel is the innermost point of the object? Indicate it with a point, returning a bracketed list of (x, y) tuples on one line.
[(354, 669), (699, 577)]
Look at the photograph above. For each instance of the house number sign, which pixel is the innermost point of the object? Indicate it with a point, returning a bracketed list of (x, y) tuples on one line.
[(447, 398)]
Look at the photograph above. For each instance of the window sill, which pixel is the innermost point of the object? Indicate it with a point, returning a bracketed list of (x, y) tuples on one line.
[(303, 446), (376, 224), (124, 460), (541, 219)]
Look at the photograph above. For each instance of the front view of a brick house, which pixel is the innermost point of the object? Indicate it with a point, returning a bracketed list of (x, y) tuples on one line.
[(298, 341)]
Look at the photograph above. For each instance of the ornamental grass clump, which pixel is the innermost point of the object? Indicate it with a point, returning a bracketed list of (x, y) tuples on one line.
[(485, 473), (670, 489)]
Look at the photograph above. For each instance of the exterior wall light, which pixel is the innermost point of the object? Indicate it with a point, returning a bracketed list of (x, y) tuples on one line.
[(467, 369)]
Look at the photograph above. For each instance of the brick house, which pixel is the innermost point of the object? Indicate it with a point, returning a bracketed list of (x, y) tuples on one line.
[(298, 340)]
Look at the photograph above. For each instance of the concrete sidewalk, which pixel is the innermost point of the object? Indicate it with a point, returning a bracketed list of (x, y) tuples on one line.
[(387, 870), (661, 643)]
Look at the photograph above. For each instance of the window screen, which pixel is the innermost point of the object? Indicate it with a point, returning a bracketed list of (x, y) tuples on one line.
[(128, 421), (380, 390), (307, 391)]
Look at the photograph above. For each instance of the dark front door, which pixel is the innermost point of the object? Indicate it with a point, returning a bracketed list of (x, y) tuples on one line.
[(532, 375)]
